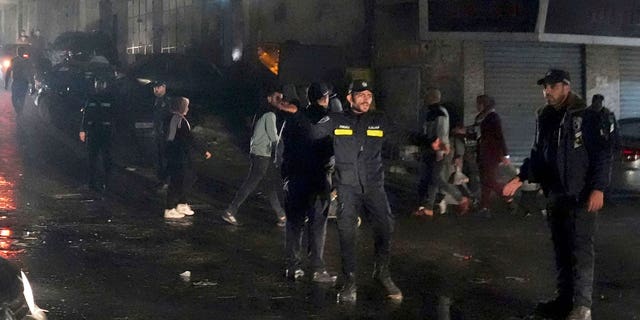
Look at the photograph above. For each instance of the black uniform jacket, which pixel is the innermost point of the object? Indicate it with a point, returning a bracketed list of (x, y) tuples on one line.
[(357, 144), (304, 155), (583, 153), (98, 115)]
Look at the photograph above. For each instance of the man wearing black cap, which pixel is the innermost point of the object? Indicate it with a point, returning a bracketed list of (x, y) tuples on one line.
[(161, 114), (571, 158), (306, 172), (358, 135), (98, 116)]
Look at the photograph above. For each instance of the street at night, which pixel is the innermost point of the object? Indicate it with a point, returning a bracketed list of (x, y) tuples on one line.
[(319, 159), (115, 257)]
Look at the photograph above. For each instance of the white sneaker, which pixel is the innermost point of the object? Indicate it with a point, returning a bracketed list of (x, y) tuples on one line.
[(172, 214), (443, 206), (185, 209)]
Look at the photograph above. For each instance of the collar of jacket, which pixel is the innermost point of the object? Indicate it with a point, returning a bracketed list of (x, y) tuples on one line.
[(574, 103)]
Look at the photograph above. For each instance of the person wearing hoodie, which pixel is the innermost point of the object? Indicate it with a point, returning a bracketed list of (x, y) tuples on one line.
[(180, 143), (264, 141)]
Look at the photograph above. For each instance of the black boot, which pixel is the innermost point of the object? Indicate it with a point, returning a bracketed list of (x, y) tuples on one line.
[(348, 293), (382, 275), (557, 308)]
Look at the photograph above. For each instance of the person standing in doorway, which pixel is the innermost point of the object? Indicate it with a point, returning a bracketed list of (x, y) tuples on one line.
[(571, 158)]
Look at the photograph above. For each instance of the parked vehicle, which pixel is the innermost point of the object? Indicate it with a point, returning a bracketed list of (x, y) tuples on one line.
[(626, 168), (82, 47), (195, 78), (184, 75)]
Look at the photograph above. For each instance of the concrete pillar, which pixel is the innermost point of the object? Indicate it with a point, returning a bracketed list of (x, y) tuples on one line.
[(473, 59), (603, 75), (158, 30)]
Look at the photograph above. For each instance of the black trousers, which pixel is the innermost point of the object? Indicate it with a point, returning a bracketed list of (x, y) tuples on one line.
[(18, 93), (373, 202), (260, 168), (99, 145), (305, 199), (161, 160), (573, 232), (181, 179)]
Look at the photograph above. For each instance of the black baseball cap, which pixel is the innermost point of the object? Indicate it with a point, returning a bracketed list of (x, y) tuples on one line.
[(360, 85), (317, 90), (157, 83), (554, 76)]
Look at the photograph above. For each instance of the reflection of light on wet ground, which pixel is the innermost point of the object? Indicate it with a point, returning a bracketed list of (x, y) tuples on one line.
[(7, 195), (11, 168)]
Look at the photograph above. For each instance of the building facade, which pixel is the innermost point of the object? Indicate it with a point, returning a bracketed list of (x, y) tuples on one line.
[(465, 48)]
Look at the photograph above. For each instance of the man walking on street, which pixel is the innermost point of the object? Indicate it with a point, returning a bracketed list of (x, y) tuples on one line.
[(358, 135), (21, 74), (264, 141), (434, 170), (571, 158), (491, 152)]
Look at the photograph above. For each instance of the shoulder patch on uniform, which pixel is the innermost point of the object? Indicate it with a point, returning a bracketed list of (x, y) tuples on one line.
[(324, 119)]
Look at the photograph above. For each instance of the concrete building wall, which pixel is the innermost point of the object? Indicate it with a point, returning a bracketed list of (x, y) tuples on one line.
[(473, 83), (329, 22), (603, 75)]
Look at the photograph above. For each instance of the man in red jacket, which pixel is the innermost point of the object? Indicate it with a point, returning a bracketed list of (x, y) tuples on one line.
[(492, 149)]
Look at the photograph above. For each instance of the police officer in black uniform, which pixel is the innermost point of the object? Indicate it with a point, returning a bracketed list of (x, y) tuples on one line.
[(358, 135), (306, 173), (98, 117), (571, 159), (161, 115), (608, 122), (21, 72)]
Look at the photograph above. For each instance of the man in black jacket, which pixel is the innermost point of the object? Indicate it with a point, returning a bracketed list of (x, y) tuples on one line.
[(358, 135), (571, 158), (21, 72), (305, 169), (98, 117), (161, 114)]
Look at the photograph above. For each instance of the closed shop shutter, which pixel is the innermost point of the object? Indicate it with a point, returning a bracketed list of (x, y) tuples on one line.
[(511, 72), (629, 83)]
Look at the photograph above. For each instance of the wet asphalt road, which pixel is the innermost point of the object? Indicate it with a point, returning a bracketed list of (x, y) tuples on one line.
[(113, 256)]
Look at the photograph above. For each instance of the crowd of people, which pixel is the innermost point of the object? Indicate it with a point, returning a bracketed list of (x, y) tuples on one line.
[(313, 152), (325, 151)]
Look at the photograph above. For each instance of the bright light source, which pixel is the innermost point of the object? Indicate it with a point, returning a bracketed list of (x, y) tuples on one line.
[(236, 54), (6, 64), (143, 81), (5, 232)]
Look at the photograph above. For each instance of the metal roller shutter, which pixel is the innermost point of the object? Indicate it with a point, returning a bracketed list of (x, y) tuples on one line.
[(629, 83), (511, 72)]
